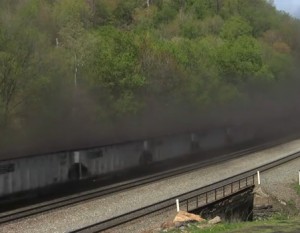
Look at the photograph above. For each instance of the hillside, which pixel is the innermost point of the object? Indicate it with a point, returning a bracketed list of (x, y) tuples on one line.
[(99, 67)]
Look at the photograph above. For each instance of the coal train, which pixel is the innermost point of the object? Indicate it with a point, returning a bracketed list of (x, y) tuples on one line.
[(30, 173)]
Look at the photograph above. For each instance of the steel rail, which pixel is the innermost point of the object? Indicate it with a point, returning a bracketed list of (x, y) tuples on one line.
[(133, 215), (85, 196)]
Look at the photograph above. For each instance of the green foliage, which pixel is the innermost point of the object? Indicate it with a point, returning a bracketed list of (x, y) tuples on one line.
[(191, 29), (201, 8), (67, 11), (124, 11), (115, 60), (212, 25), (167, 13), (260, 14), (278, 223), (296, 187), (240, 60), (235, 27), (127, 56), (113, 66), (101, 15)]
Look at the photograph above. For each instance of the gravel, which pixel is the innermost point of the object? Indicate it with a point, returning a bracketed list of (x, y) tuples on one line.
[(77, 216), (279, 182)]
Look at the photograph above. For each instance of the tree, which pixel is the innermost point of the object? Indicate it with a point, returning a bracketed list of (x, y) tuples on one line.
[(201, 8), (236, 27), (113, 69), (8, 82), (16, 72), (240, 60)]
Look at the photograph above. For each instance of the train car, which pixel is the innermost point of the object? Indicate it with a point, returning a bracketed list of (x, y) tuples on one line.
[(27, 174)]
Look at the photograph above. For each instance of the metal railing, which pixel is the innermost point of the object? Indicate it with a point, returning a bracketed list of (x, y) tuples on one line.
[(218, 194), (192, 200), (211, 193)]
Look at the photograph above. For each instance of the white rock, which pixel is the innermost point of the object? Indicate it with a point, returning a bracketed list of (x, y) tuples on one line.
[(215, 220)]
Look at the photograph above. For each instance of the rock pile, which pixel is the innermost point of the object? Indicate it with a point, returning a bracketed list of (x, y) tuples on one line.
[(262, 206), (183, 219), (266, 204)]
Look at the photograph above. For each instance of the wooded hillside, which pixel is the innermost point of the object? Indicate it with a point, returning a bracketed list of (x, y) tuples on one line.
[(70, 67)]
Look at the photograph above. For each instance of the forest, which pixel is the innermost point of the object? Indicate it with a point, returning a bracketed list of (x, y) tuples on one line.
[(75, 71)]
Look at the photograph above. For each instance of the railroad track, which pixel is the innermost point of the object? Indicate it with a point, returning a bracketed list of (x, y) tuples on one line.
[(238, 183), (84, 196)]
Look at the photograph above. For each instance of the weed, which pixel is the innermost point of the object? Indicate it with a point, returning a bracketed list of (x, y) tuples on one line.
[(296, 187), (291, 203), (279, 217)]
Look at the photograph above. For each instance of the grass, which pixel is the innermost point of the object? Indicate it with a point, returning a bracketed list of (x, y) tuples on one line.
[(213, 229), (296, 187), (291, 204), (278, 223)]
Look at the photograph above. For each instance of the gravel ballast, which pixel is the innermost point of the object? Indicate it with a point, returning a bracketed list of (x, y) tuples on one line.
[(279, 182), (74, 217)]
